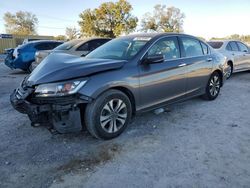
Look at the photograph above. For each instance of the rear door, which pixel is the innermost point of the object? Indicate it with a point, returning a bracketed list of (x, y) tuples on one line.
[(199, 63), (244, 50), (237, 55)]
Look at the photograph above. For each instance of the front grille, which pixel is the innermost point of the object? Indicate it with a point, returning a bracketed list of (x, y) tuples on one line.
[(52, 100)]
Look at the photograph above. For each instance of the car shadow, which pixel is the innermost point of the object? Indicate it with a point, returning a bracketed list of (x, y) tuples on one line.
[(19, 72), (240, 73)]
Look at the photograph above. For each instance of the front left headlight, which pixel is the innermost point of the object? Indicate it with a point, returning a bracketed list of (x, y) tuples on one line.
[(59, 89)]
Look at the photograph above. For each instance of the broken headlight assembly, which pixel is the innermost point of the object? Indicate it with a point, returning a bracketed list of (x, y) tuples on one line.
[(59, 89)]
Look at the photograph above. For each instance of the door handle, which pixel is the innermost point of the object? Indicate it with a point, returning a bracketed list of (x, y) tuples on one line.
[(209, 59), (182, 65)]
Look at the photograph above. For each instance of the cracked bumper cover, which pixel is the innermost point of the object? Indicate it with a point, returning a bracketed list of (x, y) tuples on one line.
[(60, 113)]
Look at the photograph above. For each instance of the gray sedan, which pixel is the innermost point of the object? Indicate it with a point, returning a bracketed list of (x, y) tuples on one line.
[(237, 54), (123, 77)]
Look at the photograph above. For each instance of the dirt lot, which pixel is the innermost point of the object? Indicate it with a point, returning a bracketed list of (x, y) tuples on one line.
[(194, 144)]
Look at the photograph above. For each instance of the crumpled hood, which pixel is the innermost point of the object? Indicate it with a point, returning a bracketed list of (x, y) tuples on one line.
[(59, 67)]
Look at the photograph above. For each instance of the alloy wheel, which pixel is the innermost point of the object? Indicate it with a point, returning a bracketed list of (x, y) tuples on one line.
[(229, 72), (113, 115), (214, 86)]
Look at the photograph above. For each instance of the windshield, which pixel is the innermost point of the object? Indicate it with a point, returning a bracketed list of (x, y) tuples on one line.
[(216, 45), (68, 45), (119, 49)]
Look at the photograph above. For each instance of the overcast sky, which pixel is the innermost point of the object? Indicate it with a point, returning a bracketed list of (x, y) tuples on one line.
[(214, 18)]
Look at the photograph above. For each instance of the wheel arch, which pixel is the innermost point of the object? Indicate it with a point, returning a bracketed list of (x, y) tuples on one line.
[(122, 88), (230, 62), (127, 92), (220, 74)]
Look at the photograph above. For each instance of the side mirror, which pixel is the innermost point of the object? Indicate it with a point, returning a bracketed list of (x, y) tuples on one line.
[(153, 59), (246, 51)]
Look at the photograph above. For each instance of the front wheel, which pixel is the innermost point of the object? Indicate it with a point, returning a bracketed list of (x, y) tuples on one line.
[(213, 86), (108, 116)]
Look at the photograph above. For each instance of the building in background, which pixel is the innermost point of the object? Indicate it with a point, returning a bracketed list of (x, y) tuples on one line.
[(12, 41)]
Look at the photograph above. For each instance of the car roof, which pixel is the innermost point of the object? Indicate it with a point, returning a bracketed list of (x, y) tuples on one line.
[(91, 38), (84, 40), (158, 35), (43, 41), (227, 40)]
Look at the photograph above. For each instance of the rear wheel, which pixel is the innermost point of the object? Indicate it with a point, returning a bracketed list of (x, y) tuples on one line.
[(213, 86), (230, 70), (108, 116)]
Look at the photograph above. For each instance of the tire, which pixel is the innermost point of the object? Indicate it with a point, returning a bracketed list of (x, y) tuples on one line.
[(213, 86), (230, 72), (104, 119)]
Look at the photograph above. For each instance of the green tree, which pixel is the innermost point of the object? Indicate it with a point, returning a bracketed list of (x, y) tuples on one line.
[(201, 38), (71, 33), (235, 37), (110, 19), (219, 38), (246, 38), (60, 37), (20, 23), (243, 38), (163, 19)]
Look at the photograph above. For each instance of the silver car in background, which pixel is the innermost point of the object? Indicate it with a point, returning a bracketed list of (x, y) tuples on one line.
[(78, 47), (236, 52)]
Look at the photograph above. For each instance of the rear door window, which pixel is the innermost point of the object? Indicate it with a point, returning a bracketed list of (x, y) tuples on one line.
[(192, 47), (83, 47), (44, 46), (95, 44), (215, 45), (55, 44), (234, 46), (68, 45), (242, 47), (229, 48)]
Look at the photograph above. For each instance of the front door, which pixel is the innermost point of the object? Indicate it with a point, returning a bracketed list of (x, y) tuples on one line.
[(165, 81)]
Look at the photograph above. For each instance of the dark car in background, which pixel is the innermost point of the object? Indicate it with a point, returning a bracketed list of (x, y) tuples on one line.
[(23, 56), (125, 76), (78, 47)]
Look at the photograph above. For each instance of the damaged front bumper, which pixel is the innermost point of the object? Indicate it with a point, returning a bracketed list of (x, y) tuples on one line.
[(60, 113)]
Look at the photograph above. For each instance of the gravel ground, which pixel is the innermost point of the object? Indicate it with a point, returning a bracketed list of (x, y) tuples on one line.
[(193, 144), (2, 57)]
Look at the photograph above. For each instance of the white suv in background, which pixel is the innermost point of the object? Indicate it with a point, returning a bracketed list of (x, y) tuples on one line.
[(236, 52)]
